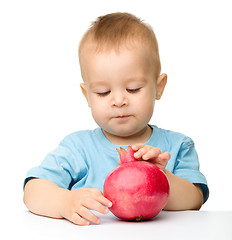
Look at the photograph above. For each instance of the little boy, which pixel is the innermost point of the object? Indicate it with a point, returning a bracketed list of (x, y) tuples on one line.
[(120, 67)]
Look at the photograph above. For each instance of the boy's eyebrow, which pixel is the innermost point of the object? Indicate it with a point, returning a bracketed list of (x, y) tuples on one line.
[(128, 80), (95, 84), (135, 79)]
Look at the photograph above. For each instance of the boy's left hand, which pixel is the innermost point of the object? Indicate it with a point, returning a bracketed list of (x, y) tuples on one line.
[(151, 154)]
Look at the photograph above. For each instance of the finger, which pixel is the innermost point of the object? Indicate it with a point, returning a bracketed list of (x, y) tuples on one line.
[(147, 152), (101, 199), (137, 146), (165, 156), (105, 201), (97, 195), (141, 152), (88, 215), (152, 153), (76, 219), (162, 161), (95, 205)]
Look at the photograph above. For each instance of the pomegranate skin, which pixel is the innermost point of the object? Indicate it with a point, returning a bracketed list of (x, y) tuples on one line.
[(138, 190)]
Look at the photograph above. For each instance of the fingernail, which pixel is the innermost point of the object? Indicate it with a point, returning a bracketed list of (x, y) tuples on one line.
[(145, 157), (110, 204), (87, 222), (98, 221), (106, 211), (134, 147)]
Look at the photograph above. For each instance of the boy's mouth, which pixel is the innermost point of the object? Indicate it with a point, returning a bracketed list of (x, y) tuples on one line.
[(122, 116)]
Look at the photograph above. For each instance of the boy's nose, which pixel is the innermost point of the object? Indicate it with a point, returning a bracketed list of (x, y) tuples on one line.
[(119, 100)]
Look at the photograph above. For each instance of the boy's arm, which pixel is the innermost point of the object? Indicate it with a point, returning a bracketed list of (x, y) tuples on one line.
[(42, 197), (45, 198), (183, 194)]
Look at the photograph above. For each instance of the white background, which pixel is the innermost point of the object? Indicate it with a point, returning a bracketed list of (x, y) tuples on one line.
[(41, 101)]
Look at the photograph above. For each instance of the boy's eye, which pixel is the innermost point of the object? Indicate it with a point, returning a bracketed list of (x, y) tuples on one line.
[(133, 90), (102, 94)]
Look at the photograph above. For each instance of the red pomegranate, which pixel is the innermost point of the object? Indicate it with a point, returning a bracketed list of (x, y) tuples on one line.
[(138, 190)]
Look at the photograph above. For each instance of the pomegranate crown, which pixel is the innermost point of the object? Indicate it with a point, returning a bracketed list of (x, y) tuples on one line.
[(126, 156)]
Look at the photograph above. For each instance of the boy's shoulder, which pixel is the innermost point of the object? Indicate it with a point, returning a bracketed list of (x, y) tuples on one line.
[(169, 136), (82, 136), (81, 141)]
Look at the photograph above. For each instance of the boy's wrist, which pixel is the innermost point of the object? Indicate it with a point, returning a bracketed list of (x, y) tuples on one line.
[(165, 171), (168, 174), (62, 198)]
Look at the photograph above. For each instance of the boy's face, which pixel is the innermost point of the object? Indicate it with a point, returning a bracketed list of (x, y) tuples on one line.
[(121, 89)]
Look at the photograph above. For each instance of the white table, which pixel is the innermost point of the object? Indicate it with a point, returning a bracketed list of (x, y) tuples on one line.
[(167, 225)]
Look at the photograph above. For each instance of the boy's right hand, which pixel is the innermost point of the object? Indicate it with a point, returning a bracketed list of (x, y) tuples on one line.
[(75, 205)]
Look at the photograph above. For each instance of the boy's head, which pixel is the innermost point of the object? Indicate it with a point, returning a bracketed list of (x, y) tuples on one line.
[(120, 66), (115, 30)]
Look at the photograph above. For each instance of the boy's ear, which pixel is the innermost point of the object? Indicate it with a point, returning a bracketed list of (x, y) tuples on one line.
[(160, 85), (83, 89)]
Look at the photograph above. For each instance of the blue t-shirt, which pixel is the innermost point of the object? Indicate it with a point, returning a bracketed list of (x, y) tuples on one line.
[(84, 159)]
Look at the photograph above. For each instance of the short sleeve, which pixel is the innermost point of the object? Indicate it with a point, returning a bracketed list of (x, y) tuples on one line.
[(187, 166), (62, 166)]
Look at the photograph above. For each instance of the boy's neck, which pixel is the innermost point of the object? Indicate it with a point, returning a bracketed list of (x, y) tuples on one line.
[(140, 137)]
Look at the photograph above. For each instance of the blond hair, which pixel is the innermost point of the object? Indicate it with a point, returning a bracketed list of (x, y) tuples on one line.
[(113, 30)]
